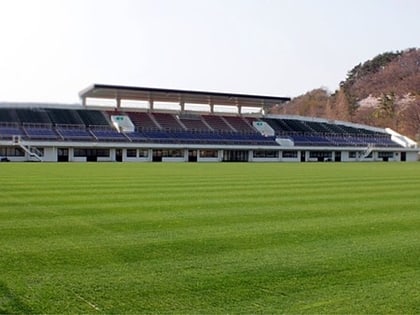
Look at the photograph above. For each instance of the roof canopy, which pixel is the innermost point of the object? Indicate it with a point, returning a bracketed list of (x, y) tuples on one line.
[(118, 93)]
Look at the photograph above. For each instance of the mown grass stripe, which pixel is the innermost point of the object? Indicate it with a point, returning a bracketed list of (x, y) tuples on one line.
[(210, 238)]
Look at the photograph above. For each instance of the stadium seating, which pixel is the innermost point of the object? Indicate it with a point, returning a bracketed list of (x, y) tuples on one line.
[(93, 117), (60, 116), (104, 133), (142, 121), (167, 121), (193, 122), (315, 133), (74, 133), (8, 115), (40, 132), (239, 124), (33, 115), (184, 128), (8, 130), (216, 123)]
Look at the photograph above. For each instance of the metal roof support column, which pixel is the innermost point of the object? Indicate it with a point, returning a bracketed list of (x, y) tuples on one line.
[(211, 104), (182, 104)]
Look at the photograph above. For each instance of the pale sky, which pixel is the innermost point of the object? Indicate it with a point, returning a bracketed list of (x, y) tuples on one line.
[(52, 49)]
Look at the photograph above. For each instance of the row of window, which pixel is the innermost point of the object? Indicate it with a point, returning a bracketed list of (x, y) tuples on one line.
[(144, 153), (134, 153), (11, 151)]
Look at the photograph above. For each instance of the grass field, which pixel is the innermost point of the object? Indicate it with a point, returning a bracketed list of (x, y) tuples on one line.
[(210, 238)]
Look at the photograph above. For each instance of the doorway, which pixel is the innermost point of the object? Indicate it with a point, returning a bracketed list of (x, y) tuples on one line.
[(62, 155), (119, 155), (235, 156), (192, 155)]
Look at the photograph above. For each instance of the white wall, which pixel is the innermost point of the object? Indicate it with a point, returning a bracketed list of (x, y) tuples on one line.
[(50, 154)]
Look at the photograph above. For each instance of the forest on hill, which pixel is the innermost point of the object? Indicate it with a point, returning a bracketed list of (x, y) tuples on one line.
[(382, 92)]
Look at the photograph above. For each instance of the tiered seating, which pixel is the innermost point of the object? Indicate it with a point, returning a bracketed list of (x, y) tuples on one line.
[(167, 121), (40, 132), (8, 130), (93, 117), (353, 130), (250, 120), (103, 133), (157, 136), (319, 127), (142, 121), (8, 115), (278, 125), (335, 129), (216, 123), (248, 139), (35, 116), (193, 122), (310, 140), (94, 125), (297, 125), (313, 133), (64, 117), (74, 132), (239, 124), (136, 136)]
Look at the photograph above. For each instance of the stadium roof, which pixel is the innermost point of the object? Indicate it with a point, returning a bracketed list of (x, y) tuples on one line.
[(118, 93)]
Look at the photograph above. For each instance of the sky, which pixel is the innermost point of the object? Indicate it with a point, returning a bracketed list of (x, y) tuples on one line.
[(52, 49)]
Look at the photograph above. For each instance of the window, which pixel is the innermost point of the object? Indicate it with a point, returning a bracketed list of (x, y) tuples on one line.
[(132, 153), (143, 153), (79, 152), (320, 154), (11, 151), (385, 154), (91, 152), (266, 154), (289, 154), (172, 153), (208, 153), (101, 152)]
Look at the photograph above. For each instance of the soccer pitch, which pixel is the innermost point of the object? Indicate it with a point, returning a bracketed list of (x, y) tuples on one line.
[(210, 238)]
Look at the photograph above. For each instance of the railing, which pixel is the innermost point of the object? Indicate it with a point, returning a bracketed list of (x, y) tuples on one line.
[(33, 152)]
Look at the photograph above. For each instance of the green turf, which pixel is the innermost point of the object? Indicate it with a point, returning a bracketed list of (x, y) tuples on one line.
[(210, 238)]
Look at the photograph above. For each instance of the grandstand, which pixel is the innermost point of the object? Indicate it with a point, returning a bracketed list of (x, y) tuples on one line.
[(135, 124)]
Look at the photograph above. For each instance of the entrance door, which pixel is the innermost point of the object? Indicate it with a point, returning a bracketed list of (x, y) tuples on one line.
[(303, 156), (62, 155), (337, 157), (157, 156), (119, 155), (192, 156), (403, 156)]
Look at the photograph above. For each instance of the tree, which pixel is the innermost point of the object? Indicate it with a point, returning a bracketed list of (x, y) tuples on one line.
[(410, 118)]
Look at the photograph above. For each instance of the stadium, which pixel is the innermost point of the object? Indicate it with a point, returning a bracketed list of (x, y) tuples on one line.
[(137, 124), (203, 238)]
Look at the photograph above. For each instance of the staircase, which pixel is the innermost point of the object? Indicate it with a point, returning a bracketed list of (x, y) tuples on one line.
[(33, 153), (368, 151)]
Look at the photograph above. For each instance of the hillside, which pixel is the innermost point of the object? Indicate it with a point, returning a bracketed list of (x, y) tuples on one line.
[(382, 92)]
